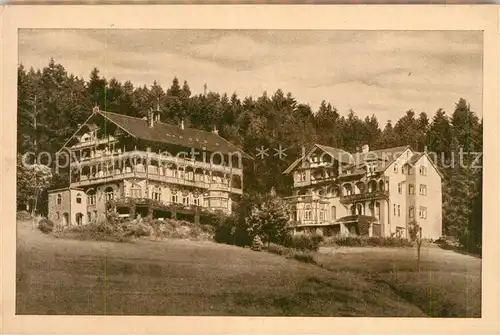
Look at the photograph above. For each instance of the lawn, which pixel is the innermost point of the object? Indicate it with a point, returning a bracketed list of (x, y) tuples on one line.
[(179, 277), (448, 285)]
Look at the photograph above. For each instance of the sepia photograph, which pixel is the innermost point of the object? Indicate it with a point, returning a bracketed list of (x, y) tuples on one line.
[(249, 172)]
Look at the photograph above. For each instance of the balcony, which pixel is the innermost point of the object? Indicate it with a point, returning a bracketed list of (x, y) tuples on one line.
[(366, 196), (151, 206), (106, 178), (307, 198), (93, 142), (129, 156)]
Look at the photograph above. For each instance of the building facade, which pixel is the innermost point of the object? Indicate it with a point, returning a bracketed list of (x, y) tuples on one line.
[(144, 166), (335, 189)]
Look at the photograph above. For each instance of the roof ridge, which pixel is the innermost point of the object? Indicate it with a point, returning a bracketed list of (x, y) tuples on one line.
[(327, 146), (119, 114), (165, 123)]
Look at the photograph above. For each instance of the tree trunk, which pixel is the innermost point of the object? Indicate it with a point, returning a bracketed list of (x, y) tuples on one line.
[(419, 244), (33, 211)]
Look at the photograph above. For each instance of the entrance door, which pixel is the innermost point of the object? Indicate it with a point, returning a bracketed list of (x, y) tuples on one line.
[(79, 218), (65, 219)]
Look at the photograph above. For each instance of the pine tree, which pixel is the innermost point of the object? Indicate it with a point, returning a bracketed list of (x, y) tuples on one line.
[(440, 135)]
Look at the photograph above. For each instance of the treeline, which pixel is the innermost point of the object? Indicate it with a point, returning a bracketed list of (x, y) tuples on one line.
[(52, 103)]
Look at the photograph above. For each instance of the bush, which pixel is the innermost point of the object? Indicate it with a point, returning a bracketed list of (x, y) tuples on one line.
[(304, 242), (23, 216), (46, 226), (170, 228), (304, 257), (136, 230), (374, 241), (231, 230), (277, 249), (257, 243), (290, 253), (99, 231)]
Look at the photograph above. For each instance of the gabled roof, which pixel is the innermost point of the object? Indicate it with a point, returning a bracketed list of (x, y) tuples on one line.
[(171, 134), (338, 154), (417, 156), (381, 158)]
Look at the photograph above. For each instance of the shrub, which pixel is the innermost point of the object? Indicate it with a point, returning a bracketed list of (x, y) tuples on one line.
[(276, 249), (94, 232), (304, 257), (113, 218), (23, 216), (257, 243), (181, 229), (290, 253), (46, 226), (304, 242), (137, 230), (231, 230), (374, 241)]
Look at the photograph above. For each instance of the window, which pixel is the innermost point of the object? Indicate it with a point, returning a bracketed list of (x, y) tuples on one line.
[(301, 176), (394, 209), (411, 189), (423, 189), (59, 199), (224, 202), (411, 212), (400, 232), (396, 167), (78, 198), (322, 213), (91, 199), (360, 209), (399, 210), (136, 191), (196, 201), (173, 198), (423, 171), (205, 202), (400, 188), (108, 193), (307, 213), (347, 189), (79, 218), (334, 213), (410, 170), (422, 212), (156, 195), (377, 210), (185, 200), (58, 216)]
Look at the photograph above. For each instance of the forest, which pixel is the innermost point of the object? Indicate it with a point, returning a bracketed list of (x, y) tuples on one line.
[(52, 103)]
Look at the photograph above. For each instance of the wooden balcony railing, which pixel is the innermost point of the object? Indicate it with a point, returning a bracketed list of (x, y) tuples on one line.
[(143, 156), (364, 196), (104, 178)]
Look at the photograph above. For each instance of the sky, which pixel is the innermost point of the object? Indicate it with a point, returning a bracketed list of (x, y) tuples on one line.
[(384, 73)]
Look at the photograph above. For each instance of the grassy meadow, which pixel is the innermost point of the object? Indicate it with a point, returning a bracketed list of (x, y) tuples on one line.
[(182, 277)]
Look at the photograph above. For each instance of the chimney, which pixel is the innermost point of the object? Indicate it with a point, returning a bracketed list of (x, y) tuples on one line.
[(150, 119), (157, 111), (182, 124), (365, 148), (215, 131)]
